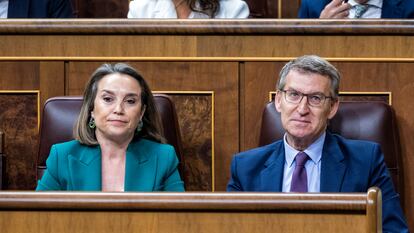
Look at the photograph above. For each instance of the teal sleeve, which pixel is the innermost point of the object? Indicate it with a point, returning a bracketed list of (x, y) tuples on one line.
[(50, 179), (172, 180)]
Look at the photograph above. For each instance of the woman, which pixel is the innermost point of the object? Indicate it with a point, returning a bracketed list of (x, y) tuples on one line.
[(118, 144), (185, 9)]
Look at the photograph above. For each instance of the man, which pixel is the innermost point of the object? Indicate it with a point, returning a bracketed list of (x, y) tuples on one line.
[(310, 159), (36, 9), (397, 9)]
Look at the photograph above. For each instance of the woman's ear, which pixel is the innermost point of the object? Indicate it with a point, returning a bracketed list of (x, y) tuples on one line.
[(144, 107)]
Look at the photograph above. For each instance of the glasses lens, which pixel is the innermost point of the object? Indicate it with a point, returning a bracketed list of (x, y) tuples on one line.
[(315, 100), (293, 96)]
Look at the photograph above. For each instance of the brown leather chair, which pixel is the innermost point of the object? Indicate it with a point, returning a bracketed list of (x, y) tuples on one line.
[(367, 120), (60, 114)]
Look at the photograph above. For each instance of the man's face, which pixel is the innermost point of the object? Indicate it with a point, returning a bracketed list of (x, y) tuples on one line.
[(305, 123)]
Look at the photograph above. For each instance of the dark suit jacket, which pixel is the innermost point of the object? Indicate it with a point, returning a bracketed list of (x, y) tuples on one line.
[(40, 9), (347, 166), (397, 9)]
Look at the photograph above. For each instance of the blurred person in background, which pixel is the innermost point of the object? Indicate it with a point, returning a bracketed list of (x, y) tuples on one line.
[(188, 9), (36, 9), (340, 9)]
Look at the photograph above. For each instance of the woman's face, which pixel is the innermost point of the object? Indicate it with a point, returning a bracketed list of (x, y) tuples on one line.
[(117, 108)]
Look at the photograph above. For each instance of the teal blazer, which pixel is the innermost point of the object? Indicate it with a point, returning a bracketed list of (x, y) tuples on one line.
[(150, 166)]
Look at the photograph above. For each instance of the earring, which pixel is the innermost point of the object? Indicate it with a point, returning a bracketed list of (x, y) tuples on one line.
[(140, 125), (91, 123)]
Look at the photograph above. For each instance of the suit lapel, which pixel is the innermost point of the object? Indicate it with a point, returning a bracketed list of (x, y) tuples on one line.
[(85, 169), (140, 170), (392, 9), (271, 177), (333, 166)]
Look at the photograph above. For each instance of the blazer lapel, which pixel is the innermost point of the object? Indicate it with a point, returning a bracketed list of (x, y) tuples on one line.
[(333, 166), (140, 170), (85, 169), (271, 177), (392, 9), (18, 9)]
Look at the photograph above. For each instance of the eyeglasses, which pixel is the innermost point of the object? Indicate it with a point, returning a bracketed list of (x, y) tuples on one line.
[(313, 99)]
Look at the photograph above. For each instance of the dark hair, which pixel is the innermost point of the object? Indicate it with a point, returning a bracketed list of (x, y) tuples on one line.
[(152, 127), (208, 7), (311, 64)]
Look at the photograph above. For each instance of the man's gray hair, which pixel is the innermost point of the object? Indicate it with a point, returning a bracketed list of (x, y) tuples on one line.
[(311, 64)]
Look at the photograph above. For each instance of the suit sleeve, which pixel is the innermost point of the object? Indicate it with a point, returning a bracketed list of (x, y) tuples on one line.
[(392, 215), (311, 9), (172, 181), (60, 9), (50, 180), (234, 183), (304, 9)]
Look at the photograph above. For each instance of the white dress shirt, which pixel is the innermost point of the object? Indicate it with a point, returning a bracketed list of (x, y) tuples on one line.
[(152, 9), (374, 9), (312, 166), (4, 7)]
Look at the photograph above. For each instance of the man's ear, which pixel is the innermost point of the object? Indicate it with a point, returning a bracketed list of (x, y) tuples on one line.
[(278, 100), (334, 108)]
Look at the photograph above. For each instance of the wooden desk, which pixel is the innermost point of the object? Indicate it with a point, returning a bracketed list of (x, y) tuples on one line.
[(189, 212)]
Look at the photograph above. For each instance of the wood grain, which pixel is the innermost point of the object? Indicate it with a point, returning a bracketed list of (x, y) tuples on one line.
[(188, 212)]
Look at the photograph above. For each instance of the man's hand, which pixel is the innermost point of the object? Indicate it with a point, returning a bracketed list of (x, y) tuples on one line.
[(336, 9)]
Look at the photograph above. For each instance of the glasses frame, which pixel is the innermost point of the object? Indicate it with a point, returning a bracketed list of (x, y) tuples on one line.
[(323, 98)]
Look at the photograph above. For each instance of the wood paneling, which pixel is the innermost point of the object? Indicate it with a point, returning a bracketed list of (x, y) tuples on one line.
[(290, 8), (19, 114), (19, 122), (19, 75), (51, 80), (263, 8), (195, 117), (191, 212), (101, 8)]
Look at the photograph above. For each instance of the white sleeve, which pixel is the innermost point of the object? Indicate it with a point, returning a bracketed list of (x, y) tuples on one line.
[(233, 9), (141, 8)]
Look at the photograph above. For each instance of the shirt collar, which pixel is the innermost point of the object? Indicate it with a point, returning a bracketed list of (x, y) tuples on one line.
[(314, 151), (377, 3)]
